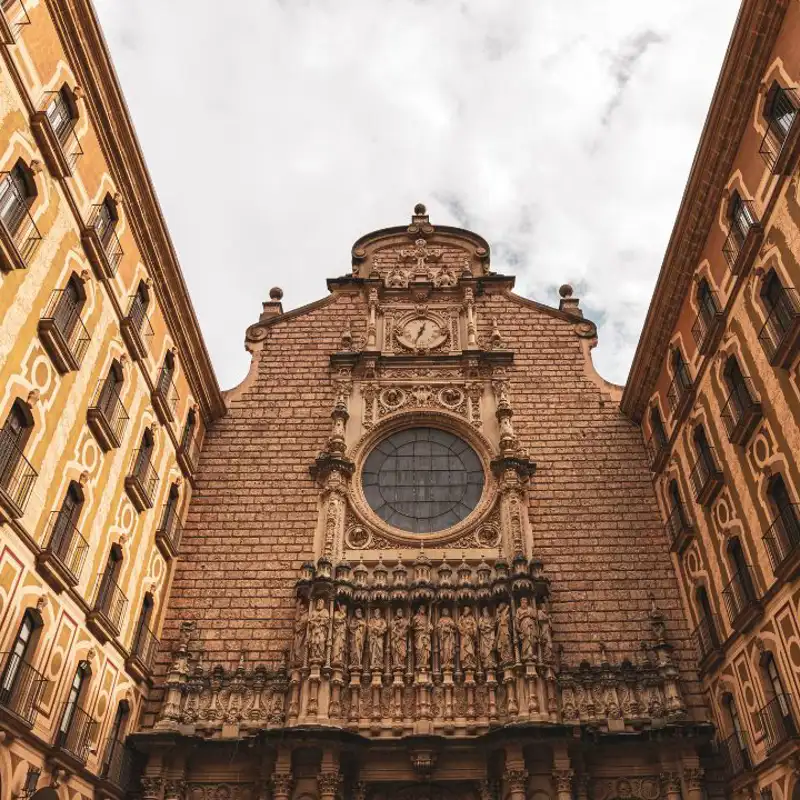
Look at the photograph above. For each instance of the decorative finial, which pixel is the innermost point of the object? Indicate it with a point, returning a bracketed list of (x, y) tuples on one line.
[(276, 293), (565, 290), (419, 209)]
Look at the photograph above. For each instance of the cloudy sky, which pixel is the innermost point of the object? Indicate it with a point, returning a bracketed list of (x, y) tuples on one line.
[(279, 131)]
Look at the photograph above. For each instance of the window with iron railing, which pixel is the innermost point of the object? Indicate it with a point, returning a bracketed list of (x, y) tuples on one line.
[(681, 383), (782, 305), (17, 476), (780, 114), (708, 316), (60, 113), (782, 539)]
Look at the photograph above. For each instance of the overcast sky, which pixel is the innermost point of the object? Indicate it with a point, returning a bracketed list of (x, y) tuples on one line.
[(279, 131)]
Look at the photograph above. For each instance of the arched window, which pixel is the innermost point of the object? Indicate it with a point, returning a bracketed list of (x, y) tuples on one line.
[(783, 536), (72, 710), (737, 384), (188, 430), (65, 525), (657, 426), (740, 217), (707, 303), (145, 454), (734, 748), (679, 388), (110, 391), (706, 634), (113, 755), (779, 111), (110, 602), (677, 526), (703, 448), (62, 112), (20, 683), (680, 371), (68, 307), (139, 303), (740, 593), (166, 375), (13, 437), (105, 219), (17, 193), (777, 301), (778, 717)]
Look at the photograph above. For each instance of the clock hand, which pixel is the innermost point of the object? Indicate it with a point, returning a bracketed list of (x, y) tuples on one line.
[(421, 331)]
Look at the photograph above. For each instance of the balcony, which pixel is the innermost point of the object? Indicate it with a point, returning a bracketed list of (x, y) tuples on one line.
[(54, 130), (61, 561), (189, 456), (165, 396), (142, 482), (741, 413), (101, 243), (13, 18), (782, 541), (740, 600), (706, 641), (106, 416), (780, 334), (735, 755), (657, 452), (21, 686), (169, 532), (743, 239), (143, 654), (108, 609), (19, 236), (17, 477), (782, 132), (706, 477), (136, 330), (708, 327), (119, 765), (777, 722), (63, 333), (679, 529), (679, 394), (76, 733)]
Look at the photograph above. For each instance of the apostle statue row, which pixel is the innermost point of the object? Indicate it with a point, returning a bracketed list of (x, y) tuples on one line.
[(421, 640)]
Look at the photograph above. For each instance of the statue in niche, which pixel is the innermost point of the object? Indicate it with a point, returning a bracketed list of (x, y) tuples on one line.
[(300, 631), (422, 639), (545, 634), (468, 630), (377, 635), (505, 647), (526, 629), (488, 639), (446, 631), (358, 633), (318, 624), (398, 636), (339, 637)]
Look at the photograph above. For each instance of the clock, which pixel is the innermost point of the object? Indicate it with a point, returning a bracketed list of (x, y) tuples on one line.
[(421, 333)]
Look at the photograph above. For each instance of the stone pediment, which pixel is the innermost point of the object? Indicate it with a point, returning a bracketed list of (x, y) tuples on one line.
[(420, 254)]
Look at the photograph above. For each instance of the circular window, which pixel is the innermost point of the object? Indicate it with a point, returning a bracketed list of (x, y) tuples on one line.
[(422, 480)]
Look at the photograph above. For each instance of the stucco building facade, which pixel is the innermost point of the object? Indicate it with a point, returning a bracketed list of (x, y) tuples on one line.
[(423, 549)]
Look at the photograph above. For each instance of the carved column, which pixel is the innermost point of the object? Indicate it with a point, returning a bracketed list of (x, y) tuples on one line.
[(694, 782), (562, 779), (151, 787), (282, 783), (329, 785), (516, 781), (670, 785)]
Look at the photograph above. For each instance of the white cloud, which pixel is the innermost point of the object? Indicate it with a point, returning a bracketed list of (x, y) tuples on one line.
[(279, 131)]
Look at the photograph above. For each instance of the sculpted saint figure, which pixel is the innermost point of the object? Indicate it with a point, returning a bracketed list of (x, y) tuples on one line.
[(526, 630), (505, 647), (488, 639), (446, 630), (358, 632), (318, 624), (422, 639), (545, 634), (377, 634), (300, 630), (468, 629), (399, 639), (339, 638)]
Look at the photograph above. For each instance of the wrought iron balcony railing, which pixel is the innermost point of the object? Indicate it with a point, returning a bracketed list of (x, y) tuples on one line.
[(136, 329), (706, 477), (740, 596), (740, 228), (110, 602), (777, 722), (165, 395), (706, 638), (735, 755), (145, 647), (76, 732), (782, 538), (66, 544), (679, 390), (142, 481), (21, 686), (60, 145), (107, 416), (169, 531), (708, 324), (781, 127), (13, 18), (741, 412), (189, 454), (679, 529), (119, 763), (17, 476), (20, 237), (109, 241), (657, 451), (62, 331), (779, 336)]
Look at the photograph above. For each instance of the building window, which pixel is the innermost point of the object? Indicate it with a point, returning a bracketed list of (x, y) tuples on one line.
[(657, 426), (138, 307), (79, 680), (703, 448), (741, 218), (68, 307), (745, 591), (17, 193), (66, 522), (105, 219), (13, 437), (735, 722), (188, 430), (62, 112), (18, 657), (142, 464), (109, 397), (679, 388), (779, 112), (775, 686), (777, 302), (707, 303), (737, 385)]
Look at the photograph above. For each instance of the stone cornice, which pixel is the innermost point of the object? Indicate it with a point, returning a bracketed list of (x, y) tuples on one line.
[(754, 36), (85, 47)]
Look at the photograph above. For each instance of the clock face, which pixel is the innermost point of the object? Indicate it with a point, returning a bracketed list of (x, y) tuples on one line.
[(421, 333)]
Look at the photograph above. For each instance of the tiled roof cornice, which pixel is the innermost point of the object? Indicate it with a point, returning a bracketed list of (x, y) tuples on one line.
[(86, 49), (754, 35)]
